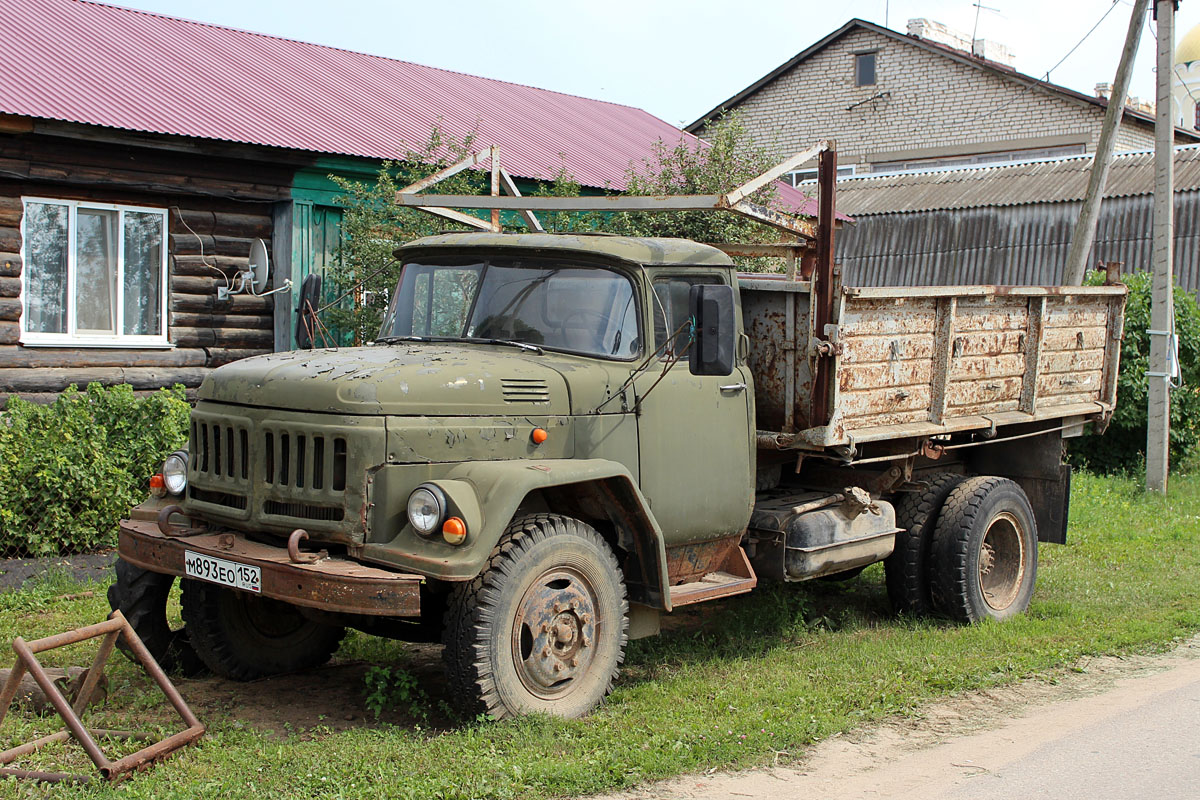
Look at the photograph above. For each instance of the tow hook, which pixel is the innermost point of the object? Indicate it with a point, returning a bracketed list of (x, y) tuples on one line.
[(164, 524), (293, 548)]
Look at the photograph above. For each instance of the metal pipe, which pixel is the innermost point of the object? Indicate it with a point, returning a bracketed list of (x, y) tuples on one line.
[(70, 718)]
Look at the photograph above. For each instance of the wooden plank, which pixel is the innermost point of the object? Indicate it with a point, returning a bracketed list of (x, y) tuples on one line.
[(10, 265), (43, 357), (10, 240), (182, 243), (222, 337), (1033, 354), (10, 332), (11, 211), (10, 287), (42, 379), (943, 356), (219, 357), (10, 309), (208, 303), (184, 320)]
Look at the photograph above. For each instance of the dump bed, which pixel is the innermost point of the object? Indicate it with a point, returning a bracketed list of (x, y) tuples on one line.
[(918, 361)]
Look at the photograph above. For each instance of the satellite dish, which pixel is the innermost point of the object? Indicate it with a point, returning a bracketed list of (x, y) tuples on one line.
[(259, 266)]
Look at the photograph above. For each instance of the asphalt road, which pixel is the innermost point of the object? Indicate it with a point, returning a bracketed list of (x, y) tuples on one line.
[(1128, 732)]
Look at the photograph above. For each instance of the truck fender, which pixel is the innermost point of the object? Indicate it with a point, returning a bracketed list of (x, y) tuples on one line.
[(502, 486)]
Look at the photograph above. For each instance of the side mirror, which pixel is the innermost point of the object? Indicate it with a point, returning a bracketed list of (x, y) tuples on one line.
[(306, 319), (715, 338)]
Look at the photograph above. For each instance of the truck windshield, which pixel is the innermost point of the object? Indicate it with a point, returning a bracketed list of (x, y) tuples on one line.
[(544, 303)]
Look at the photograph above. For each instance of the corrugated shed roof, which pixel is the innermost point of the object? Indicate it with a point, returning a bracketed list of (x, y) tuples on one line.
[(1049, 181), (98, 64)]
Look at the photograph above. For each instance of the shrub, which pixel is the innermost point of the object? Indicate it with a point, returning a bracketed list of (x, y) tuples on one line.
[(1123, 447), (70, 470)]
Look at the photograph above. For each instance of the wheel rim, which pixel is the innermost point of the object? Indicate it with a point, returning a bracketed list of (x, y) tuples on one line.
[(554, 633), (1002, 561)]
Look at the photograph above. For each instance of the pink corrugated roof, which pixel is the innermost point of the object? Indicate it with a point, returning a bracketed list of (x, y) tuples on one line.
[(98, 64)]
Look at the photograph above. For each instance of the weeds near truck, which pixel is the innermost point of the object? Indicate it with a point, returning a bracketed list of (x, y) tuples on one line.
[(751, 681), (387, 688)]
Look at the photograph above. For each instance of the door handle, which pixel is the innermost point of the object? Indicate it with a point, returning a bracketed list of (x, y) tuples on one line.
[(734, 387)]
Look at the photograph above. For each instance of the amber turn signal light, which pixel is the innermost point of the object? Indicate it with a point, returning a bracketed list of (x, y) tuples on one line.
[(454, 531), (540, 435), (158, 486)]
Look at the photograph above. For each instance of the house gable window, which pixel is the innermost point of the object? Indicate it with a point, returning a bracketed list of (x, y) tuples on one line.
[(94, 274), (864, 69)]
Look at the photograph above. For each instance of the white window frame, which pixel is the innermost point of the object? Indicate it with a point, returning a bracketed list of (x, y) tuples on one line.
[(71, 338)]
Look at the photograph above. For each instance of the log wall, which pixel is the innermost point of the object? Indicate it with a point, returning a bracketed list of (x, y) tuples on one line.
[(216, 206)]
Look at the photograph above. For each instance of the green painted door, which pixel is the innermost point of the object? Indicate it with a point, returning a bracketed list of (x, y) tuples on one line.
[(695, 438)]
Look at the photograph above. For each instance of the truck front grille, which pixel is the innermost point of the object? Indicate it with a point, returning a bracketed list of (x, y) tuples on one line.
[(304, 511), (304, 460), (221, 450)]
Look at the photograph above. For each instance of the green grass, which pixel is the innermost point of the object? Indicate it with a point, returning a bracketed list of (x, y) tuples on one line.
[(750, 681)]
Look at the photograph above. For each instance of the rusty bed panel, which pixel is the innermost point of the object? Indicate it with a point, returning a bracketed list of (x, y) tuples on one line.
[(928, 360)]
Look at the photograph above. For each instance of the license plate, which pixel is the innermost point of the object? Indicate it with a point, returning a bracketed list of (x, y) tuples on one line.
[(218, 570)]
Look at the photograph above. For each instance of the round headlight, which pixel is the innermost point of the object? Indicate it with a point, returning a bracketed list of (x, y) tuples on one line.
[(174, 472), (426, 507)]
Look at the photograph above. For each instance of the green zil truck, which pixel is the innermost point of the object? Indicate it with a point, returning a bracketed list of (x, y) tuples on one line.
[(557, 439)]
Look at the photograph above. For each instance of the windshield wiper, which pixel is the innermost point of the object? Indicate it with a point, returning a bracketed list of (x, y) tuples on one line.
[(394, 339), (523, 345)]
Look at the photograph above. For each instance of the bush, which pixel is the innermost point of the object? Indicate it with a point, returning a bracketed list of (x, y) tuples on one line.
[(1123, 447), (70, 470)]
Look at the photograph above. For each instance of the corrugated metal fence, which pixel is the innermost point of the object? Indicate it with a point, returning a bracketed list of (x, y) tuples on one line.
[(1016, 244)]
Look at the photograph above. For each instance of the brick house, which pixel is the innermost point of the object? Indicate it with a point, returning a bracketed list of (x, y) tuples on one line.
[(929, 99)]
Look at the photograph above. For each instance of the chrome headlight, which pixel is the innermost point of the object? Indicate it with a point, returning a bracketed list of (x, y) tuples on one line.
[(174, 472), (426, 507)]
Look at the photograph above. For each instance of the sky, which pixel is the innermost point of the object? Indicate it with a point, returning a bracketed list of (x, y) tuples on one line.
[(677, 59)]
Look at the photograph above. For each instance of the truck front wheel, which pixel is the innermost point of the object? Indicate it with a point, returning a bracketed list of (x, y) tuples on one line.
[(243, 636), (141, 595), (544, 626), (985, 551)]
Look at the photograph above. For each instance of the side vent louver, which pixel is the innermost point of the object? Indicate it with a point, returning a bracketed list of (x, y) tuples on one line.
[(525, 390)]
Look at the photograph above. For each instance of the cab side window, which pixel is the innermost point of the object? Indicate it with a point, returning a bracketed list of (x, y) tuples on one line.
[(671, 311)]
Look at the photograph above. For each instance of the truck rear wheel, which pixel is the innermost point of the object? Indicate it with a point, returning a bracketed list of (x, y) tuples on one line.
[(141, 596), (543, 628), (243, 636), (985, 551), (907, 568)]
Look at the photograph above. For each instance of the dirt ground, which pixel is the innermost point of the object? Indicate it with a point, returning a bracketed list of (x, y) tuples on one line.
[(950, 742), (15, 572)]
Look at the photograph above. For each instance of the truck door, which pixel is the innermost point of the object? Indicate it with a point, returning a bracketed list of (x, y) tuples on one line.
[(695, 431)]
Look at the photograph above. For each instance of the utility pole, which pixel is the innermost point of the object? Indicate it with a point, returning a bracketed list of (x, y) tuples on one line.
[(1162, 303), (1085, 226)]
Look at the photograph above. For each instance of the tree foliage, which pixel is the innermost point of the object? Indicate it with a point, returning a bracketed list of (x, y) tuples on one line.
[(360, 284), (1123, 447)]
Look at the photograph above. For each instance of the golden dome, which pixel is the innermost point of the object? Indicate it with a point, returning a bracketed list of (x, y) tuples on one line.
[(1189, 47)]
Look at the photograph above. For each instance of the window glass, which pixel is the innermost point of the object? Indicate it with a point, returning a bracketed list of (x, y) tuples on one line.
[(671, 311), (46, 244), (864, 69), (143, 273), (96, 271), (579, 309)]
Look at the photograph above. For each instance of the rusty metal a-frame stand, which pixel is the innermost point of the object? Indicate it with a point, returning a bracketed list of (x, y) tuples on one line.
[(114, 628)]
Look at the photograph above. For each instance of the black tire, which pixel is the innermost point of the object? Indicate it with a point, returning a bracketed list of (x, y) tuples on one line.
[(243, 636), (544, 626), (907, 569), (141, 596), (985, 551)]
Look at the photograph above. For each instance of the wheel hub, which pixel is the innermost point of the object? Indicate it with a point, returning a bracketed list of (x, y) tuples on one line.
[(554, 632), (1002, 561)]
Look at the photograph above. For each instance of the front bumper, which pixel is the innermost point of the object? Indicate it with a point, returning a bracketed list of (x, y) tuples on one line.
[(332, 584)]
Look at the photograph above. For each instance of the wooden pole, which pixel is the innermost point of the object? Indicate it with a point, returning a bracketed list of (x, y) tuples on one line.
[(1085, 227), (1162, 307)]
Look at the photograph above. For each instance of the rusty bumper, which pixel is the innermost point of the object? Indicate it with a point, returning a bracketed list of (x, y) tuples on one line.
[(330, 584)]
